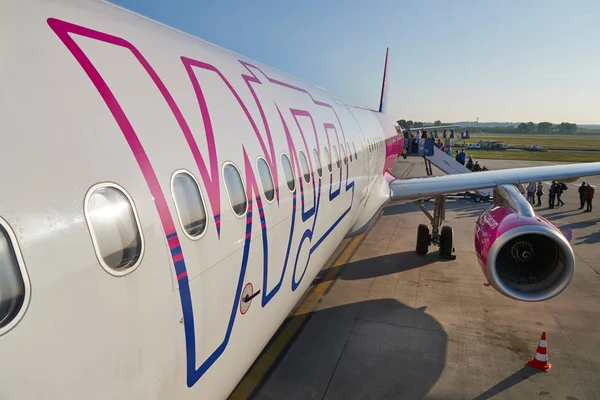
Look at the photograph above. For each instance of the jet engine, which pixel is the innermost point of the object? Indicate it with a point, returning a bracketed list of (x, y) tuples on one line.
[(521, 254)]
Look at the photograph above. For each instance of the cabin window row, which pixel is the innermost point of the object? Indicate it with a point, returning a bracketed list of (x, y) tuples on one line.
[(115, 228), (373, 144), (114, 224)]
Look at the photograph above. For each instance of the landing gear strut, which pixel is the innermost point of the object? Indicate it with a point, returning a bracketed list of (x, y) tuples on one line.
[(441, 237)]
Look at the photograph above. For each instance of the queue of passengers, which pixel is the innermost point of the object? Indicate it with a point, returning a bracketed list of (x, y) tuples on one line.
[(586, 194), (461, 157), (445, 148)]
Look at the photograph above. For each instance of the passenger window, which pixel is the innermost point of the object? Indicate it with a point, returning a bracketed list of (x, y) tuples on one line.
[(318, 162), (188, 203), (344, 154), (304, 165), (13, 287), (349, 151), (355, 153), (235, 189), (115, 228), (266, 179), (289, 173), (327, 159), (336, 156)]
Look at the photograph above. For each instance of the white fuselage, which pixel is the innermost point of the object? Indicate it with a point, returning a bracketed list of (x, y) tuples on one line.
[(93, 96)]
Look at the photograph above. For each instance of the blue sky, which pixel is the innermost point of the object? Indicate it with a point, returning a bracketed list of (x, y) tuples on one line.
[(451, 60)]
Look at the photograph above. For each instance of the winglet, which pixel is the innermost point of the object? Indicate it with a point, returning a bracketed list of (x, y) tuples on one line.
[(382, 99)]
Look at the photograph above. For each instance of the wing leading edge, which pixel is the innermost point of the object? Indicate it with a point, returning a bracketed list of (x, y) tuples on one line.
[(413, 189)]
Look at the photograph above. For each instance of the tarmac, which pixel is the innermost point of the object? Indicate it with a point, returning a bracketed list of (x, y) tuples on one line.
[(384, 323)]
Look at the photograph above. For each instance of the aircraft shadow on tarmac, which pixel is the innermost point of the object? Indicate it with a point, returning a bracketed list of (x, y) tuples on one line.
[(379, 266), (376, 349)]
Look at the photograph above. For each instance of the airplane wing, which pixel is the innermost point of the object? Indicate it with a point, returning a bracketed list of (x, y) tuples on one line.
[(428, 128), (416, 188)]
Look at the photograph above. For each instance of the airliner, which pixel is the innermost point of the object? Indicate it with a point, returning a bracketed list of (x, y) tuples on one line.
[(166, 202)]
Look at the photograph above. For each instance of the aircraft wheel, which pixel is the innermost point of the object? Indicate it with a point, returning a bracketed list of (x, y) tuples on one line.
[(422, 239), (446, 238)]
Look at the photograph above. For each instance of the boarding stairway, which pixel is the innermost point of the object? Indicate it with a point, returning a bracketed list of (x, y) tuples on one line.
[(449, 166)]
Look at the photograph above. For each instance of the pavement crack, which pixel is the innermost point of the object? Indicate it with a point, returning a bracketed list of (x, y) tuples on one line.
[(589, 265), (340, 356), (558, 322)]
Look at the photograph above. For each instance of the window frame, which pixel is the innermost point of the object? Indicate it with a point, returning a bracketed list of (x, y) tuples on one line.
[(355, 153), (106, 267), (319, 165), (264, 196), (283, 153), (185, 171), (225, 163), (338, 162), (330, 162), (307, 165), (12, 239)]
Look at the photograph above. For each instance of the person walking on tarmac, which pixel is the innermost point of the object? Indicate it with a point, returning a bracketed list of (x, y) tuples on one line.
[(539, 193), (582, 195), (560, 188), (476, 167), (531, 193), (552, 195), (589, 196)]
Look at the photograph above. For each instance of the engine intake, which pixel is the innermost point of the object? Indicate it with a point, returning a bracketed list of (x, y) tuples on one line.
[(521, 254)]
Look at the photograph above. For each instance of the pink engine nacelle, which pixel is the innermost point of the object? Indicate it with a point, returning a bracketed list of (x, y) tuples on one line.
[(522, 254)]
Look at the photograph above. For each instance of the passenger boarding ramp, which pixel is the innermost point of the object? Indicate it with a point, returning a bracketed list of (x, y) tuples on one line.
[(449, 165)]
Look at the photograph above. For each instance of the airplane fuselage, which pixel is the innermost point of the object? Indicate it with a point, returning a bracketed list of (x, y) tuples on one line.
[(168, 201)]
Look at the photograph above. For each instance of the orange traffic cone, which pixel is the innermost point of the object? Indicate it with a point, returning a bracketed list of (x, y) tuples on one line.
[(540, 360)]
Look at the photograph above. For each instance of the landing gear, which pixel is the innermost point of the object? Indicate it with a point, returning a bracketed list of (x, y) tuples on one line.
[(442, 238), (422, 239), (446, 238)]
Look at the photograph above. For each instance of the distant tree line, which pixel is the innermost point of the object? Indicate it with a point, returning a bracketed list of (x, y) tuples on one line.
[(546, 128), (543, 128)]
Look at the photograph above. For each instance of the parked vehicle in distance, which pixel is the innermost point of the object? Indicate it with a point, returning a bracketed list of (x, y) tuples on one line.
[(488, 145), (537, 148)]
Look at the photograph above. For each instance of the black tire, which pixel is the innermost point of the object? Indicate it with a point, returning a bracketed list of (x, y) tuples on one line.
[(477, 199), (446, 239), (422, 239)]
